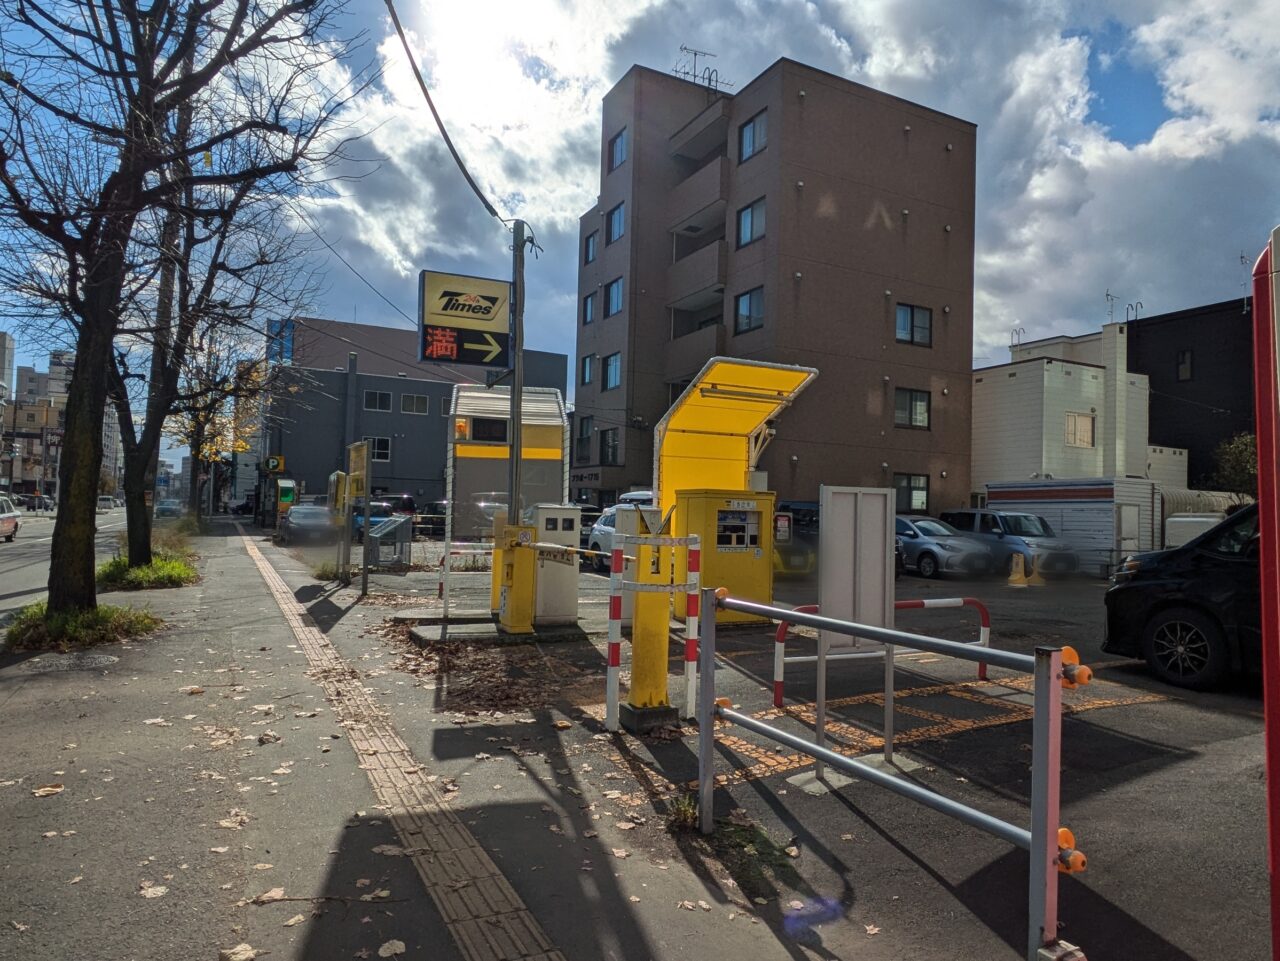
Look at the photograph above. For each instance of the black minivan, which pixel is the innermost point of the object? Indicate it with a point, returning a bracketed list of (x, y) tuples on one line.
[(1194, 612)]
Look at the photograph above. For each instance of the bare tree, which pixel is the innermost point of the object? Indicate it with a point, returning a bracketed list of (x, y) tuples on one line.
[(92, 97)]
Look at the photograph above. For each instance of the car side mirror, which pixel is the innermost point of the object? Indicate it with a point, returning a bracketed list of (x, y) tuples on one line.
[(1000, 535)]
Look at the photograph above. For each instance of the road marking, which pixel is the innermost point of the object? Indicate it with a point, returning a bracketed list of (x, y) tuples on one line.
[(486, 918)]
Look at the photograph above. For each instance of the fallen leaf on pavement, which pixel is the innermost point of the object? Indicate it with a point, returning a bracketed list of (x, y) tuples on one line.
[(562, 725), (621, 853), (47, 790), (846, 837), (792, 851), (590, 834), (390, 949), (77, 879), (67, 834), (193, 689), (158, 722), (266, 897), (633, 899), (241, 952), (380, 893), (263, 867), (49, 834), (221, 850), (19, 926), (625, 826), (704, 905), (390, 850), (265, 708), (362, 953), (362, 882), (760, 900), (149, 890), (871, 929), (269, 737), (795, 905), (686, 905), (296, 919)]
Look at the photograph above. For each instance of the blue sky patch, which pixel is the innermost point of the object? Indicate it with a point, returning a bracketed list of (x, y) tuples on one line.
[(1126, 94)]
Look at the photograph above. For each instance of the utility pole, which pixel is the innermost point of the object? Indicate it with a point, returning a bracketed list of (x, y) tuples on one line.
[(517, 371)]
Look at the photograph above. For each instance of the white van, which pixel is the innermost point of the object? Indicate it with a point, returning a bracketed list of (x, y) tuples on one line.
[(106, 503)]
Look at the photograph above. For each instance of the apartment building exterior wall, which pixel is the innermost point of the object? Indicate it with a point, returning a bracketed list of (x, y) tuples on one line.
[(867, 204), (1200, 365)]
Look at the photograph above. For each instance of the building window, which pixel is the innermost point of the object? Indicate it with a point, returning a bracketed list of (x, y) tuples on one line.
[(444, 407), (753, 136), (615, 223), (609, 446), (613, 297), (751, 223), (612, 372), (911, 408), (912, 493), (1184, 365), (748, 311), (915, 325), (589, 247), (588, 309), (415, 404), (618, 150), (489, 430), (379, 448), (586, 368), (377, 400), (1079, 430), (583, 447)]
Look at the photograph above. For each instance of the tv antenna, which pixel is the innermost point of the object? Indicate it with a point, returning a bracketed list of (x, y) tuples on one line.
[(1111, 305), (688, 70)]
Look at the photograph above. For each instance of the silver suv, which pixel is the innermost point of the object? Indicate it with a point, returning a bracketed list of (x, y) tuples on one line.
[(1009, 533), (932, 548)]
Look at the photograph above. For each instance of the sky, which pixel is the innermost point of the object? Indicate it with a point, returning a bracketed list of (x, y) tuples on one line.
[(1125, 147)]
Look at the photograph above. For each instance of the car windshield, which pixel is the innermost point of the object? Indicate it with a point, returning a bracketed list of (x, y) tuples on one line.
[(1027, 525), (168, 503), (379, 510), (932, 528), (309, 513)]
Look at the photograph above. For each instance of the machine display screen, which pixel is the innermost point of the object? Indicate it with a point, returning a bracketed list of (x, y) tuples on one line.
[(737, 530)]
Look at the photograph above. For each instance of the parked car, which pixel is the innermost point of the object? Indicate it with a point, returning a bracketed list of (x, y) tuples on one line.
[(1193, 612), (244, 507), (1008, 533), (933, 548), (307, 524), (106, 503), (639, 498), (10, 519), (400, 503), (799, 558), (589, 517), (39, 502), (169, 508), (601, 538), (898, 563), (378, 511)]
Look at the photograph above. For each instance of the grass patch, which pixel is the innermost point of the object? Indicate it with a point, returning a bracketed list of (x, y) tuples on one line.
[(34, 629), (682, 815), (326, 571), (163, 571), (758, 864)]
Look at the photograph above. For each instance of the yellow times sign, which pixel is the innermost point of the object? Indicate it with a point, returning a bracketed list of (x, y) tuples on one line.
[(469, 303)]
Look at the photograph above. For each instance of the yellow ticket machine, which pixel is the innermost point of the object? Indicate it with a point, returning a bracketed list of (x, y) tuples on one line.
[(736, 532)]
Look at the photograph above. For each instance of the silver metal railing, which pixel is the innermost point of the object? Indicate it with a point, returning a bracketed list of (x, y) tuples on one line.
[(1051, 849)]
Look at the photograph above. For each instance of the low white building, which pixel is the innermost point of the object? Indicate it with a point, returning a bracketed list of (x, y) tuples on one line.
[(1066, 407)]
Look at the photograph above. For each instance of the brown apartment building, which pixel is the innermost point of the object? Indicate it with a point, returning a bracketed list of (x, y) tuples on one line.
[(806, 220)]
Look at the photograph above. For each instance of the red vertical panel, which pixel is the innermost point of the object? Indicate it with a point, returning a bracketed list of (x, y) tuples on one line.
[(1267, 414)]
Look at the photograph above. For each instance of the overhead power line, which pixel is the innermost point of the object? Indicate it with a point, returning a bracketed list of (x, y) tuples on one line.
[(422, 85)]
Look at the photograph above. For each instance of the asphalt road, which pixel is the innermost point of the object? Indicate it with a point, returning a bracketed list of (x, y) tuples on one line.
[(24, 564)]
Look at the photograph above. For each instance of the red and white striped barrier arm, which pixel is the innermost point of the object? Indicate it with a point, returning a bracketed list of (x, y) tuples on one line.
[(693, 599), (615, 637)]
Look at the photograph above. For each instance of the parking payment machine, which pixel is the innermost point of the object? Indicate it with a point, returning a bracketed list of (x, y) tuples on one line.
[(736, 530), (556, 571)]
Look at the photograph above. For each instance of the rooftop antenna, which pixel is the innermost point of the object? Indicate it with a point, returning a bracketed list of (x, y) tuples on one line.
[(709, 77), (1111, 306), (1015, 335)]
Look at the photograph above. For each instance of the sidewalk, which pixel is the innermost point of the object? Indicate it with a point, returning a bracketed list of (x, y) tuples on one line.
[(464, 799)]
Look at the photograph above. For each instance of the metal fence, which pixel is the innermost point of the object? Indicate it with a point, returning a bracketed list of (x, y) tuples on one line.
[(1051, 848)]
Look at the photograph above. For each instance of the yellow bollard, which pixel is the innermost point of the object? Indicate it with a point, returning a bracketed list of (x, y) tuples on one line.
[(495, 572), (1016, 576), (1034, 579), (648, 706), (515, 615)]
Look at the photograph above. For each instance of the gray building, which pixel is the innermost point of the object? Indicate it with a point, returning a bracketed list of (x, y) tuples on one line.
[(339, 383)]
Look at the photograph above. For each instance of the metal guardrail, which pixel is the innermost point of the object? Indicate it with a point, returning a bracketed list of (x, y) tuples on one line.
[(780, 659), (1051, 848)]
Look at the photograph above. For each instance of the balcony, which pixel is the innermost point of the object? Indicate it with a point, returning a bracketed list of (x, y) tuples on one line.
[(697, 281), (697, 204), (704, 133), (685, 356)]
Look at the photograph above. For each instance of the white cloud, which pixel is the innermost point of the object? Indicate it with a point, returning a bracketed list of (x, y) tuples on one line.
[(1064, 210)]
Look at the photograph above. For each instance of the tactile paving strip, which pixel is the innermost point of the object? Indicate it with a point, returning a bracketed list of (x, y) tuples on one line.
[(483, 913)]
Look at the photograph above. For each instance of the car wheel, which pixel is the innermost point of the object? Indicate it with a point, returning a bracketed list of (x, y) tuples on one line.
[(1185, 648), (927, 565), (597, 560), (9, 537)]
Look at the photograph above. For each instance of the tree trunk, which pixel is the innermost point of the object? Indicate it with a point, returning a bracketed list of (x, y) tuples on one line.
[(137, 467), (197, 445), (73, 552)]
